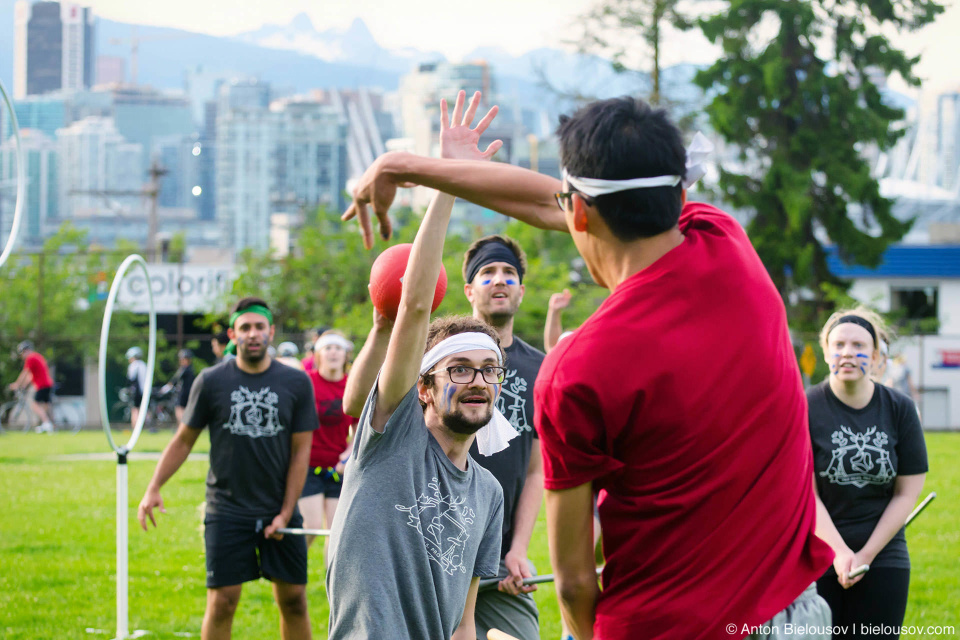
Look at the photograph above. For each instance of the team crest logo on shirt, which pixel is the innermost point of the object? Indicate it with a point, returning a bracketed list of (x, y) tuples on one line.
[(254, 413), (511, 402), (443, 522), (858, 459)]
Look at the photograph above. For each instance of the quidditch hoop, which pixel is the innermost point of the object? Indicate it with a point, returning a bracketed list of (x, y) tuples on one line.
[(151, 355), (21, 180)]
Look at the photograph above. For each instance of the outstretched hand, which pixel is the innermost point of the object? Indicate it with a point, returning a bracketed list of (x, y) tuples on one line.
[(559, 301), (457, 140), (378, 185)]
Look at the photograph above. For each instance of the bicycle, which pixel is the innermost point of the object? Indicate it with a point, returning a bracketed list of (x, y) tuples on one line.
[(15, 409), (62, 415)]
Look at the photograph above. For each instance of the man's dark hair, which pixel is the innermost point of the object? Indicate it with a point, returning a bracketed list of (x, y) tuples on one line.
[(222, 337), (620, 139), (246, 303), (442, 328), (507, 241)]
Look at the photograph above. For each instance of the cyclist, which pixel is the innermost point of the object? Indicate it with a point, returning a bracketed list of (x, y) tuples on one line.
[(37, 373)]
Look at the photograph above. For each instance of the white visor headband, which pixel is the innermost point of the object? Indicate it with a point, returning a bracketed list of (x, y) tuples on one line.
[(334, 339), (697, 152), (495, 435)]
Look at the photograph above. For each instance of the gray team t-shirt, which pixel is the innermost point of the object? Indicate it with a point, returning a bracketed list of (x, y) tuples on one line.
[(251, 419), (410, 533)]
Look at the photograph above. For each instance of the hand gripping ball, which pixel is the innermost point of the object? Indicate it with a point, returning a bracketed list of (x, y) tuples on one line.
[(386, 280)]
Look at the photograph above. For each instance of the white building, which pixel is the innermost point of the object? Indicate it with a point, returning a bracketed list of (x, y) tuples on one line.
[(284, 159), (921, 283), (96, 162)]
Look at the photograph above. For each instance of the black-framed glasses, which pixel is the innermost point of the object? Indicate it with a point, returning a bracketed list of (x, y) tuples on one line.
[(462, 374), (563, 196)]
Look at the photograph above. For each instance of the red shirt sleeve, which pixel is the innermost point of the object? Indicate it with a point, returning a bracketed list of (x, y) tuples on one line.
[(573, 441)]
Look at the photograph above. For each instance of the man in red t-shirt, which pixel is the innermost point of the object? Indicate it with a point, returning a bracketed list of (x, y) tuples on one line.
[(679, 401), (35, 372)]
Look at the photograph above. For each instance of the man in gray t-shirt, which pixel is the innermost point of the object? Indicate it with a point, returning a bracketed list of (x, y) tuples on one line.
[(419, 521)]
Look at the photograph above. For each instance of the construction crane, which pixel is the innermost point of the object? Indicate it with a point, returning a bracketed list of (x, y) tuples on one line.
[(134, 40)]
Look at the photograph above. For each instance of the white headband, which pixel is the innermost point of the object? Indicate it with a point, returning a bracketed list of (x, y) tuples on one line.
[(332, 338), (495, 435), (697, 152)]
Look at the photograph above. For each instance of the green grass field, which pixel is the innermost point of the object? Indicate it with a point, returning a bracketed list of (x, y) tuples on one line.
[(57, 549)]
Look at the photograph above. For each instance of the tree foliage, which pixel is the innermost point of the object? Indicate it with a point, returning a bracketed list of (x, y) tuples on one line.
[(606, 25), (802, 106), (56, 298)]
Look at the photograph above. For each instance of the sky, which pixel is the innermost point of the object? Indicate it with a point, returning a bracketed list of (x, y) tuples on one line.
[(455, 28)]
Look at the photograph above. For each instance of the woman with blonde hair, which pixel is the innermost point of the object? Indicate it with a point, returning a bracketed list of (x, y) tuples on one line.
[(870, 462), (329, 452)]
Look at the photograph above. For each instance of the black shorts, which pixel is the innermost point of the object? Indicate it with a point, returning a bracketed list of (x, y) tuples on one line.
[(237, 552), (322, 480), (42, 395)]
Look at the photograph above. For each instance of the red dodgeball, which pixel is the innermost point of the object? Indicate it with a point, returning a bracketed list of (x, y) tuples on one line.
[(386, 284)]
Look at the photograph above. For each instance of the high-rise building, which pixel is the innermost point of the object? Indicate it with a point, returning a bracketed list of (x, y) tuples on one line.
[(95, 162), (145, 115), (54, 47), (41, 192), (280, 160)]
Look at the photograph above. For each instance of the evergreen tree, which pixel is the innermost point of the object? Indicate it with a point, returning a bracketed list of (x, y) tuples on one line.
[(796, 92)]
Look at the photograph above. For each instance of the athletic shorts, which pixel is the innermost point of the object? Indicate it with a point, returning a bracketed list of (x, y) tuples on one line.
[(322, 480), (42, 395), (806, 618), (237, 552), (514, 615)]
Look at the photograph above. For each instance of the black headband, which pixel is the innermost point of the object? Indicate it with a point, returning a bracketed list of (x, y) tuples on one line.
[(494, 251), (852, 319)]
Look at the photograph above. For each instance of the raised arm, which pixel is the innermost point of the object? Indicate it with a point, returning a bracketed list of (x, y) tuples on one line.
[(401, 366), (519, 193), (363, 373), (553, 327)]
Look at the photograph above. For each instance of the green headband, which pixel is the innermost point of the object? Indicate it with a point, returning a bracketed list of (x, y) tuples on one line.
[(257, 308), (231, 347)]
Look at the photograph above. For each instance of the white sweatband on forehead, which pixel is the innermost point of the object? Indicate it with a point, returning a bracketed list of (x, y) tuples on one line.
[(334, 339), (458, 344), (495, 435), (697, 152)]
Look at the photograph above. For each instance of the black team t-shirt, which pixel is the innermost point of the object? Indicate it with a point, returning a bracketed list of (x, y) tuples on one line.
[(857, 456), (251, 419), (509, 466)]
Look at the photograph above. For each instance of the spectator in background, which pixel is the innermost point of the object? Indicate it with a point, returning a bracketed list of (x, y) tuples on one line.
[(287, 354), (137, 376), (219, 344), (183, 378)]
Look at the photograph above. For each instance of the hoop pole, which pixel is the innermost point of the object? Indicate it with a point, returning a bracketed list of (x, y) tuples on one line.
[(21, 179), (123, 630)]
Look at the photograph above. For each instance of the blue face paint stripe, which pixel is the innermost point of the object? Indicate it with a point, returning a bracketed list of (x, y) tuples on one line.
[(511, 282), (449, 390), (485, 282)]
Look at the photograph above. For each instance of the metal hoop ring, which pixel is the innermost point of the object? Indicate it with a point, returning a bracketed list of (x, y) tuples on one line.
[(21, 180), (151, 355)]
